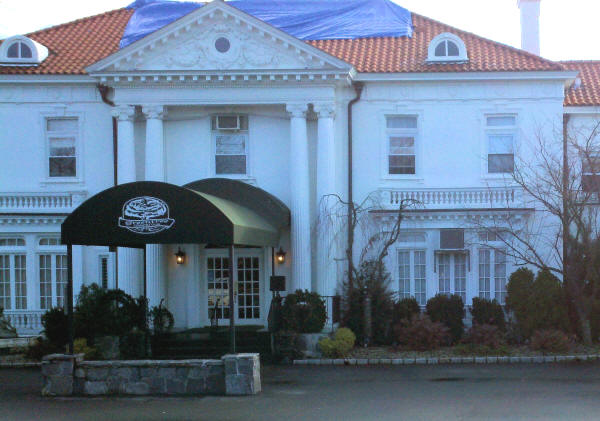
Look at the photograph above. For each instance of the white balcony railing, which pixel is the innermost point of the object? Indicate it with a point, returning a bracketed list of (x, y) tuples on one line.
[(40, 202), (27, 322), (505, 197)]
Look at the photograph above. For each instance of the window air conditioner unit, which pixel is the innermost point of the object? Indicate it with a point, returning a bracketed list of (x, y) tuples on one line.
[(228, 122), (452, 239)]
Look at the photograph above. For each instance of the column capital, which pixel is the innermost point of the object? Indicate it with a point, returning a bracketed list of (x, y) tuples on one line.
[(155, 112), (123, 112), (325, 109), (297, 109)]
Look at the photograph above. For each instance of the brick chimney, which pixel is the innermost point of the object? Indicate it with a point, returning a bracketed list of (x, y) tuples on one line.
[(530, 25)]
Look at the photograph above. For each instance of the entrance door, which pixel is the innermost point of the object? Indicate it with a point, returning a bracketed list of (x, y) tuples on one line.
[(452, 274), (247, 292)]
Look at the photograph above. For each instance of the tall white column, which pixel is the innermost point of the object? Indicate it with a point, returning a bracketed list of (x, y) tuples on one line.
[(326, 250), (299, 203), (156, 283), (128, 273)]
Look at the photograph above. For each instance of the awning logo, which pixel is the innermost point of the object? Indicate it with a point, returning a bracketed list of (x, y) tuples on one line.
[(146, 215)]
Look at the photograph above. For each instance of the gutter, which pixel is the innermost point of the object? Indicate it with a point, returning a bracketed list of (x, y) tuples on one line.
[(358, 88)]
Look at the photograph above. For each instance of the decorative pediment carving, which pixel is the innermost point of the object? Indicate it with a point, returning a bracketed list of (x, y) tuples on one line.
[(241, 48)]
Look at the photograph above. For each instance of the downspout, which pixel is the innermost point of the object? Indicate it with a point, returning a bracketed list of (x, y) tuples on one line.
[(358, 88), (103, 89), (565, 192)]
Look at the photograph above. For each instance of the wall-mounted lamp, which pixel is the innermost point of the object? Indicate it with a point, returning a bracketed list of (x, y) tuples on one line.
[(280, 256), (180, 257)]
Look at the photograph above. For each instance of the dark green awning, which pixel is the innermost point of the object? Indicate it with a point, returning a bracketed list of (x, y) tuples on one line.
[(147, 212)]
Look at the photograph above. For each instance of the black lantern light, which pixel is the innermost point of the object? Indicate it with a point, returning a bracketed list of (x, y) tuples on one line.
[(280, 256), (180, 257)]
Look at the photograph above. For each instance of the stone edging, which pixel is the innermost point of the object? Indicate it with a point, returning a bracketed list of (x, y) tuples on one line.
[(20, 365), (449, 360)]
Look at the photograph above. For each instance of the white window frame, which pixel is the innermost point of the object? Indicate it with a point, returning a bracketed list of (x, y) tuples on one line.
[(493, 291), (79, 149), (452, 279), (445, 37), (52, 251), (213, 141), (38, 52), (412, 250), (511, 130), (592, 156), (391, 132), (12, 252)]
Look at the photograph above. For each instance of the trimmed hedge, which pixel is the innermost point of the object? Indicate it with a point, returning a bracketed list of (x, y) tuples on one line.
[(406, 308), (488, 312), (449, 310), (303, 312)]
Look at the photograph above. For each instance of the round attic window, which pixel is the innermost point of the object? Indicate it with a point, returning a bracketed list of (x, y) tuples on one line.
[(222, 45)]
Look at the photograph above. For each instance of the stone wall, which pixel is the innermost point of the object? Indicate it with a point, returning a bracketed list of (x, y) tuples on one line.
[(234, 374)]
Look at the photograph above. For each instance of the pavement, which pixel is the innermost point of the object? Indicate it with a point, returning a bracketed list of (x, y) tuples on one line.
[(559, 391)]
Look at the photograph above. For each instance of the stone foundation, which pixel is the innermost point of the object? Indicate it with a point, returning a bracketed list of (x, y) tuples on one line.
[(234, 374)]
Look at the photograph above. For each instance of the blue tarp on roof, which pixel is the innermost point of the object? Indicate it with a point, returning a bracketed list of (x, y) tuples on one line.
[(303, 19)]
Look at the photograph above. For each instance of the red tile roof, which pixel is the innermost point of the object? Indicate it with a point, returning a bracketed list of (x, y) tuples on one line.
[(586, 93), (407, 55), (74, 46)]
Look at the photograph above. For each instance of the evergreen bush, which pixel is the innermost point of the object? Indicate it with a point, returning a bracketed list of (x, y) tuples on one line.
[(304, 312), (341, 344), (421, 334), (56, 327), (449, 310), (484, 335), (405, 308), (488, 312)]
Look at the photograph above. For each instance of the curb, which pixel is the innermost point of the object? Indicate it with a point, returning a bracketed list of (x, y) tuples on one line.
[(449, 360), (20, 365)]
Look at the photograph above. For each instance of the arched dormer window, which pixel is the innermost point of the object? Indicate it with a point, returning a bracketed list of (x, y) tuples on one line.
[(447, 47), (21, 51)]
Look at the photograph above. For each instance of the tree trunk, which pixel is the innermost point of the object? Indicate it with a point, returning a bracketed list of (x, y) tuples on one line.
[(586, 329), (367, 318)]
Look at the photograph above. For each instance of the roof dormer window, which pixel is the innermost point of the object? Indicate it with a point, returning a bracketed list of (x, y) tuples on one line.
[(21, 51), (447, 47)]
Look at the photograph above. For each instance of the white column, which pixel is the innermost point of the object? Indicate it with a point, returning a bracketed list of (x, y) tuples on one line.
[(299, 202), (326, 250), (155, 171), (129, 273)]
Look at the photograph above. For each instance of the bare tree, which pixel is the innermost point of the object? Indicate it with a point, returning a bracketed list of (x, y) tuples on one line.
[(561, 182)]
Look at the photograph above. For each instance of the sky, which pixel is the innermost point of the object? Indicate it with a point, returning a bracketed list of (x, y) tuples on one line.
[(568, 28)]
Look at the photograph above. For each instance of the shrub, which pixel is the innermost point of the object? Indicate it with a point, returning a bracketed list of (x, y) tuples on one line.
[(133, 345), (80, 346), (538, 303), (450, 311), (304, 312), (341, 344), (162, 319), (549, 340), (488, 312), (474, 349), (101, 312), (56, 327), (372, 281), (406, 308), (422, 334), (484, 335), (42, 347)]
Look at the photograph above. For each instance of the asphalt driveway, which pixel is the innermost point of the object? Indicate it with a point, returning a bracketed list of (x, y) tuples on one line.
[(454, 392)]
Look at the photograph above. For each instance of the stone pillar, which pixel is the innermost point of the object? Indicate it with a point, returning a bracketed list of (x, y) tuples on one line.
[(326, 250), (57, 373), (242, 374), (155, 171), (299, 202), (128, 273)]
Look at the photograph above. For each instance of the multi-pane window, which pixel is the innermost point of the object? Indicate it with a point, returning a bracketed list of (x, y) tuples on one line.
[(52, 272), (501, 132), (402, 134), (447, 48), (590, 174), (230, 134), (452, 274), (412, 270), (45, 281), (492, 266), (248, 288), (61, 135), (61, 270), (13, 274), (218, 287), (19, 50)]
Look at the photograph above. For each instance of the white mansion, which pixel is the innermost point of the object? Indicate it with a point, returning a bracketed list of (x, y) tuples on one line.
[(438, 115)]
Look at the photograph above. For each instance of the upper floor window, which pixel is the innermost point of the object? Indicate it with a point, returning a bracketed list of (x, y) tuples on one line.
[(501, 133), (61, 138), (447, 47), (230, 136), (20, 50), (590, 173), (402, 134)]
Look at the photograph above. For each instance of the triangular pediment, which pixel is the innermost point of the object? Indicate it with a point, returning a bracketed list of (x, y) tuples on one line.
[(218, 37)]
